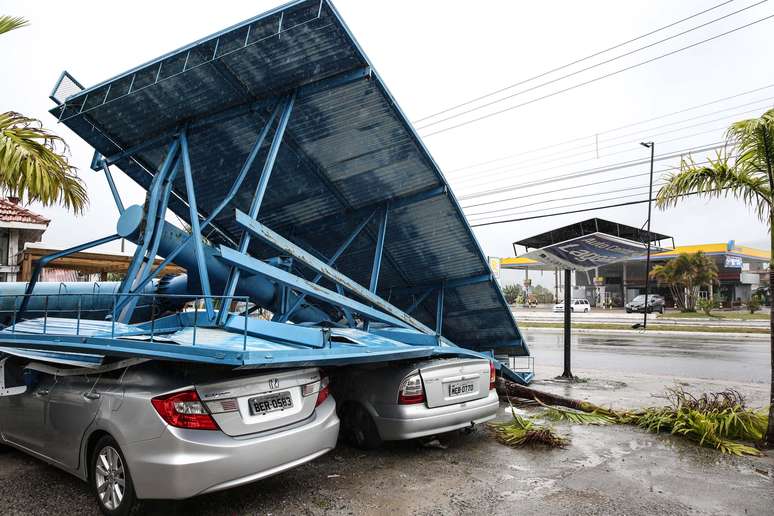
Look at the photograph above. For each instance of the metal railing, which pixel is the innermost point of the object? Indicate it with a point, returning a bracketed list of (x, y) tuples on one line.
[(175, 305)]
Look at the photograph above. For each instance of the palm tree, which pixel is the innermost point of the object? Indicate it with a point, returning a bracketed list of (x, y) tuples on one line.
[(749, 176), (33, 161), (685, 275)]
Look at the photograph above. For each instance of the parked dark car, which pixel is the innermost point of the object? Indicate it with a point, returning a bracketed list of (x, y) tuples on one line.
[(655, 304)]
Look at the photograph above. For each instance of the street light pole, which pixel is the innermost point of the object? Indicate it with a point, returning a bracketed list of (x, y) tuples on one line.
[(652, 147)]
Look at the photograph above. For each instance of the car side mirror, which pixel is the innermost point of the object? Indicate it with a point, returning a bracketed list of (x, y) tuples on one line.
[(12, 380)]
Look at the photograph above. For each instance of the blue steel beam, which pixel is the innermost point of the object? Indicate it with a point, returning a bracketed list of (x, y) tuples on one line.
[(439, 310), (149, 255), (275, 240), (196, 233), (152, 197), (42, 262), (343, 247), (226, 200), (419, 300), (379, 249), (260, 191), (250, 264), (113, 189)]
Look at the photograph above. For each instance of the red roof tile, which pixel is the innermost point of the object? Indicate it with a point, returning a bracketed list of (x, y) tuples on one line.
[(11, 212)]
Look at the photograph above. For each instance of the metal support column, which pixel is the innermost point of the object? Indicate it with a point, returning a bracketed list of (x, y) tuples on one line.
[(567, 323), (255, 206), (113, 188), (196, 232), (439, 310), (379, 250), (647, 259)]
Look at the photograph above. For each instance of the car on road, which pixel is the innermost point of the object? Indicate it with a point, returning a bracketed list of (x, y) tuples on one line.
[(161, 430), (407, 400), (656, 303), (578, 305)]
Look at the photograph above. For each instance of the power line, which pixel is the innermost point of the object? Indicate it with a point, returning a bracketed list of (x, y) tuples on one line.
[(471, 101), (629, 203), (593, 171), (487, 174), (586, 69), (581, 196), (605, 76), (615, 198), (574, 187), (565, 142), (639, 135)]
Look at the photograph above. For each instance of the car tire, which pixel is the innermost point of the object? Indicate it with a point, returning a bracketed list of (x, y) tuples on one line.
[(108, 470), (359, 428), (661, 310)]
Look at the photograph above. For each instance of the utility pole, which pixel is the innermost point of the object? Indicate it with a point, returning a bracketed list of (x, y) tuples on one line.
[(567, 323), (652, 147)]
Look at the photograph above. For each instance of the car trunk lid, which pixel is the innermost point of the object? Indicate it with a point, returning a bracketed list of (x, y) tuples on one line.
[(261, 403), (455, 381)]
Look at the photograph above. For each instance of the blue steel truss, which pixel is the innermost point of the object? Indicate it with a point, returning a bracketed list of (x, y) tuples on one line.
[(276, 136)]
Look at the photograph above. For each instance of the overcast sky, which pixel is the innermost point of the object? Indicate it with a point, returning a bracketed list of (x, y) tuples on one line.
[(436, 54)]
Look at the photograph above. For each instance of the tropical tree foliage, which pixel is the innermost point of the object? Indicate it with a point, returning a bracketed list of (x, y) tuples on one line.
[(33, 161), (512, 293), (748, 175), (685, 275)]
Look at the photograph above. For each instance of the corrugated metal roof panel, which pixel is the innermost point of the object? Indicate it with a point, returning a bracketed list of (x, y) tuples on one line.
[(347, 149)]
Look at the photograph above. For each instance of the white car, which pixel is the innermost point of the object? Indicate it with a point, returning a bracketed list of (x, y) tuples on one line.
[(578, 305)]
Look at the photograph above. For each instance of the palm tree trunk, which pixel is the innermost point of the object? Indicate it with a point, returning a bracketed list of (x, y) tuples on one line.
[(768, 439)]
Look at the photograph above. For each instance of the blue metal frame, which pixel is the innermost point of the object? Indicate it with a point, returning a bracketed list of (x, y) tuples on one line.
[(196, 232), (42, 262), (332, 260), (250, 264), (267, 235), (260, 191), (439, 309), (379, 249), (113, 189)]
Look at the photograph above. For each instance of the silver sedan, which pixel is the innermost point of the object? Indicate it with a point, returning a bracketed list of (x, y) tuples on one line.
[(162, 430), (414, 399)]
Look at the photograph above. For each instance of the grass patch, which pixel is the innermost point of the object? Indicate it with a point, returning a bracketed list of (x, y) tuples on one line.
[(652, 327), (728, 316)]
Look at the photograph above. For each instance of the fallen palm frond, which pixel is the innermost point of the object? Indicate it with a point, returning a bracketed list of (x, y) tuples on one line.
[(577, 417), (524, 432), (718, 420), (714, 419)]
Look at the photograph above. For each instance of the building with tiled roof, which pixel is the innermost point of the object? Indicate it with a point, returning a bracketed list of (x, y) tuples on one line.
[(18, 226)]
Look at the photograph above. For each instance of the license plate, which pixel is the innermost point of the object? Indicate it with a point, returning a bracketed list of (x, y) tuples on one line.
[(270, 403), (461, 389)]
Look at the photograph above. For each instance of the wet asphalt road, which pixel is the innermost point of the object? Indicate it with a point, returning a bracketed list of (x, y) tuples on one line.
[(728, 358), (605, 470)]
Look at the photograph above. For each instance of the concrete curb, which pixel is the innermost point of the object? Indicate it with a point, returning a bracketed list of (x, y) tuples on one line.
[(634, 333)]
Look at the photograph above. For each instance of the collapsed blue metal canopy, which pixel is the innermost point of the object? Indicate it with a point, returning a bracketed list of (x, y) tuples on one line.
[(347, 152)]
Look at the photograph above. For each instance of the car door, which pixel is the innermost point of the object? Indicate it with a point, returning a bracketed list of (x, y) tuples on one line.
[(73, 405), (24, 418)]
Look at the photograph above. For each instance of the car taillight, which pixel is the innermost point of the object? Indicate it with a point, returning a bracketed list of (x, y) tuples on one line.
[(411, 390), (492, 376), (184, 410), (323, 393)]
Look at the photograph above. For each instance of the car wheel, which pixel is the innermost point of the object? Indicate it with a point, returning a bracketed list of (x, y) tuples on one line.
[(628, 311), (360, 429), (110, 478), (661, 310)]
